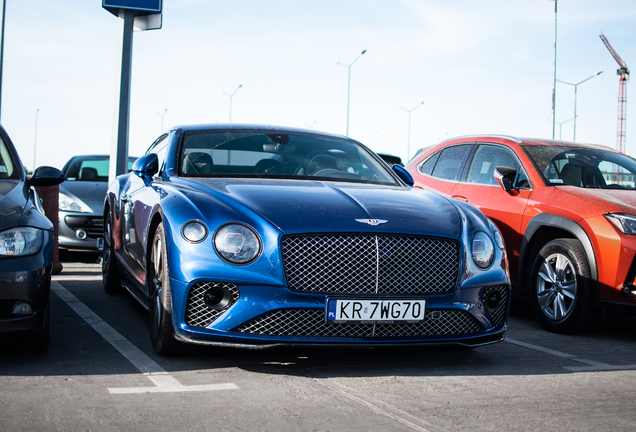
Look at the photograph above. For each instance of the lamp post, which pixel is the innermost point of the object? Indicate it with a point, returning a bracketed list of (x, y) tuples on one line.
[(408, 145), (575, 96), (349, 84), (35, 137), (561, 125), (231, 96), (161, 114)]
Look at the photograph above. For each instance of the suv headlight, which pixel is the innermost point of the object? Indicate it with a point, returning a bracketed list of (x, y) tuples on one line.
[(67, 203), (237, 243), (626, 223), (21, 241), (483, 250)]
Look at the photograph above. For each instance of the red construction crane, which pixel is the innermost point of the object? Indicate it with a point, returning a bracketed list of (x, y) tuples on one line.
[(623, 72)]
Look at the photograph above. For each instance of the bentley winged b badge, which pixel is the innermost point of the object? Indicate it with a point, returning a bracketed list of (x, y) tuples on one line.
[(373, 222)]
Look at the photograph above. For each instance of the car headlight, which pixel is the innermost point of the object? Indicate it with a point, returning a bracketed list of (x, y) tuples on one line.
[(483, 250), (67, 203), (626, 223), (194, 231), (499, 239), (237, 244), (21, 241)]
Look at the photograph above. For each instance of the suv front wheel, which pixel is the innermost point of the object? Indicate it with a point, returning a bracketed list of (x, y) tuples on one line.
[(561, 289)]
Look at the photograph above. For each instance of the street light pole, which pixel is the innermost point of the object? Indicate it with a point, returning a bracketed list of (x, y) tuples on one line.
[(349, 85), (35, 137), (161, 114), (575, 96), (561, 125), (408, 145), (231, 96)]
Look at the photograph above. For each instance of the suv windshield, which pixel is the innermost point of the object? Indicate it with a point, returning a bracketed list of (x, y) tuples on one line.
[(584, 167), (272, 154), (7, 166)]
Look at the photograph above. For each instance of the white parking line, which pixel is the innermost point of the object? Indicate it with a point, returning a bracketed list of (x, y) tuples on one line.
[(593, 366), (164, 382)]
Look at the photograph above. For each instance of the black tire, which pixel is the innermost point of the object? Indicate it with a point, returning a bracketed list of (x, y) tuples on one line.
[(110, 274), (40, 341), (160, 298), (561, 289)]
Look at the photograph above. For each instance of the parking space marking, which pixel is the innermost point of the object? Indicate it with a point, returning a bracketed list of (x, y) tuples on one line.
[(593, 366), (164, 382)]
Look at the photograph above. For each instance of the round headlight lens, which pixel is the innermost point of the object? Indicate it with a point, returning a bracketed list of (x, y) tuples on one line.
[(21, 241), (237, 244), (194, 231), (483, 250)]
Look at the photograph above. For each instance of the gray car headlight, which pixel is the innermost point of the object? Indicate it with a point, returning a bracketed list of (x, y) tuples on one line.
[(237, 244), (21, 241), (626, 223), (483, 250), (67, 203)]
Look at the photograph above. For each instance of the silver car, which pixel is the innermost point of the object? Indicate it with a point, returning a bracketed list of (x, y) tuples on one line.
[(82, 200)]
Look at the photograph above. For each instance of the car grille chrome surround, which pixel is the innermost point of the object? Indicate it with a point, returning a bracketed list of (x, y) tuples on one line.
[(498, 315), (371, 264), (311, 323), (198, 313)]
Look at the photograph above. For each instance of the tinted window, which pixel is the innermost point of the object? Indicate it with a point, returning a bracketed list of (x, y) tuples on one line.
[(450, 162), (584, 167), (90, 168), (7, 166), (267, 154), (489, 157), (427, 166)]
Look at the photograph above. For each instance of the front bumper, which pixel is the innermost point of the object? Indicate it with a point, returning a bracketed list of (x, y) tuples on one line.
[(81, 231), (260, 317)]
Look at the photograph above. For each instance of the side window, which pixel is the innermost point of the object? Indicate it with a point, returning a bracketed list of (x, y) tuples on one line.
[(427, 166), (489, 157), (450, 162), (159, 147)]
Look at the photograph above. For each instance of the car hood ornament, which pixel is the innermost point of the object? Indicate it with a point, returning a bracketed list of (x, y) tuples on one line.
[(373, 222)]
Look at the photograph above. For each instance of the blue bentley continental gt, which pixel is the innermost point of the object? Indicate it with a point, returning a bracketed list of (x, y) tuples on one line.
[(261, 236)]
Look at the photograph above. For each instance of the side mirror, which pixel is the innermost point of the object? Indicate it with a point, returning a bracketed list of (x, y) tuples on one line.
[(506, 178), (404, 175), (146, 166), (46, 176)]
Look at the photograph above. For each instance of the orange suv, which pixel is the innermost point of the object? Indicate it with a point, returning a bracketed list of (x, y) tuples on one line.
[(567, 212)]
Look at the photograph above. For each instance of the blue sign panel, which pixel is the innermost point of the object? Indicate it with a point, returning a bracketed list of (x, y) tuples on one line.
[(141, 7)]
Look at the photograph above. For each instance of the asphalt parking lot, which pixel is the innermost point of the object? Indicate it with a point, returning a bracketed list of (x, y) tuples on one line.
[(101, 373)]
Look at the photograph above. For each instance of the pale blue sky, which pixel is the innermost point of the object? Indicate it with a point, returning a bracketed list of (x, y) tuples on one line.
[(481, 66)]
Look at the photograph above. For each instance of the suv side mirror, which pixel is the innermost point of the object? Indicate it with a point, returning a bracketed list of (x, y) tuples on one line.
[(46, 176), (506, 178)]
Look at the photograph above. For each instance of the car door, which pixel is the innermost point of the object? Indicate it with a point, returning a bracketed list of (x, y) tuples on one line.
[(441, 171), (137, 204), (506, 209)]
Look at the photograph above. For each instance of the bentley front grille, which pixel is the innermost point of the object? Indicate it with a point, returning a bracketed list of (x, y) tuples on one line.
[(198, 313), (311, 323), (371, 264)]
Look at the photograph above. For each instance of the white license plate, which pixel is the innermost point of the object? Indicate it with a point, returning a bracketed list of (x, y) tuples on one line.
[(375, 311)]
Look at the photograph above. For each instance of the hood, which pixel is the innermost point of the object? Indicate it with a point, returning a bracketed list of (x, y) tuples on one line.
[(91, 193), (12, 202), (311, 206), (611, 200)]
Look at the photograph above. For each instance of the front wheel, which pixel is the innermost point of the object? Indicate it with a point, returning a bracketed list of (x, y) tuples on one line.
[(561, 288), (110, 275), (160, 307)]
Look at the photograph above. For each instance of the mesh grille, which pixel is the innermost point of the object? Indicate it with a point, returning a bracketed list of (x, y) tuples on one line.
[(199, 314), (498, 315), (311, 323), (369, 264)]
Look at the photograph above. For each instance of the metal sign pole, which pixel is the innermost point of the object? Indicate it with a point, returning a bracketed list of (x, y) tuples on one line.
[(4, 7), (121, 120)]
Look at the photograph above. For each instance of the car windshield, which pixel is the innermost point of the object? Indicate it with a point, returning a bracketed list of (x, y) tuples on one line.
[(584, 167), (7, 166), (280, 155), (90, 168)]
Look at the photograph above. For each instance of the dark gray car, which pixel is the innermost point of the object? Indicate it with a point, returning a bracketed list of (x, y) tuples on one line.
[(81, 202)]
